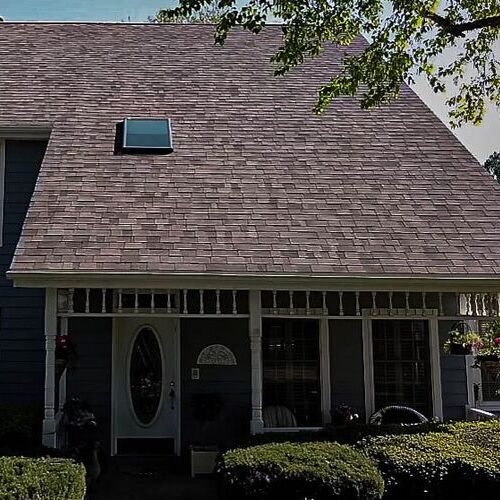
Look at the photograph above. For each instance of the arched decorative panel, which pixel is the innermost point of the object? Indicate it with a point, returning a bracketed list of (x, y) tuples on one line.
[(216, 354), (146, 376)]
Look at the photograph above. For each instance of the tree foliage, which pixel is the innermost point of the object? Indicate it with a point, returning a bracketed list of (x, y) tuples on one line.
[(492, 165), (406, 38), (209, 13)]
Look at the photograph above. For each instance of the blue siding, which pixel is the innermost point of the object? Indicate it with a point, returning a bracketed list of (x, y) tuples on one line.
[(453, 379), (21, 309), (231, 382)]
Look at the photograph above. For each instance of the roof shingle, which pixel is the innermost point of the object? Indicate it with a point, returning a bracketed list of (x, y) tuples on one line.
[(257, 183)]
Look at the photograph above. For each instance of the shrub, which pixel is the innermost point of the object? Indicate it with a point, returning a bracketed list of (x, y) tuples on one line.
[(41, 478), (294, 471), (448, 465), (485, 434), (346, 434)]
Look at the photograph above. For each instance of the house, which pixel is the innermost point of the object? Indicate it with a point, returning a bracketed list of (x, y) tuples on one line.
[(222, 260)]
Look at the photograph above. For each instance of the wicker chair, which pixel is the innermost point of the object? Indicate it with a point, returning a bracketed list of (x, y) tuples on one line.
[(278, 416), (397, 415)]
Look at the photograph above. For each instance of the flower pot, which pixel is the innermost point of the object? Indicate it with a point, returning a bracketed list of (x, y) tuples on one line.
[(487, 357), (461, 349), (203, 459)]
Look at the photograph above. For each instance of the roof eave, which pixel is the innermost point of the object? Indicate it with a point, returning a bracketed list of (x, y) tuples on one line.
[(248, 281)]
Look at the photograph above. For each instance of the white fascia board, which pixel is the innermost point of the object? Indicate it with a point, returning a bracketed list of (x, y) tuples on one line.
[(254, 281)]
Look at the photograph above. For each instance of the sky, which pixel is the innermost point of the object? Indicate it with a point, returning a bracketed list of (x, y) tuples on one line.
[(480, 140)]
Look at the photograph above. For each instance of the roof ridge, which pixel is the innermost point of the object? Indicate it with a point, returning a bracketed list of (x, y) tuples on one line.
[(124, 23)]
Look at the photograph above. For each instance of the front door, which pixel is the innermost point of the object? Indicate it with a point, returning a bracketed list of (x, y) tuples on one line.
[(145, 386)]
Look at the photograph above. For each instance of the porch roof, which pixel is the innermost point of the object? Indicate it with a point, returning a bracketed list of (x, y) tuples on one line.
[(256, 183)]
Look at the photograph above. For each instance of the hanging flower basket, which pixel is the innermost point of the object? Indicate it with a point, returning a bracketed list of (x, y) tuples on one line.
[(487, 357), (461, 340), (462, 349)]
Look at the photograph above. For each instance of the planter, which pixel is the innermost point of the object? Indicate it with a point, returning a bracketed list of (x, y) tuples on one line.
[(203, 459), (464, 350), (487, 357)]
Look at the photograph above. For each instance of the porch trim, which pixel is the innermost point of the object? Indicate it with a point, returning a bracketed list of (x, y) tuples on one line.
[(325, 379), (255, 327), (49, 437)]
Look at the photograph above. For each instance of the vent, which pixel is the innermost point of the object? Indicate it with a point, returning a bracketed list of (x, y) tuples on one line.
[(144, 135)]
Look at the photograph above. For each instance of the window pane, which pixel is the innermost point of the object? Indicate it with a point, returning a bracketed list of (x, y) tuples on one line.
[(291, 368), (145, 376), (147, 133), (490, 380), (401, 364)]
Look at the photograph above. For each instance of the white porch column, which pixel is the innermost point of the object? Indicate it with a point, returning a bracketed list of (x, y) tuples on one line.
[(49, 423), (255, 326)]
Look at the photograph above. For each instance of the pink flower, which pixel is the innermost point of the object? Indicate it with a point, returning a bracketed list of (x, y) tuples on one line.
[(497, 340), (478, 344)]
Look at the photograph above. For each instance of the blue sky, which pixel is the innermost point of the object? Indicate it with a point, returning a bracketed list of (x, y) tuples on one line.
[(481, 141)]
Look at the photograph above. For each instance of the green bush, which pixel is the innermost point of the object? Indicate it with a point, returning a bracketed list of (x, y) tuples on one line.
[(346, 434), (462, 463), (318, 471), (41, 479)]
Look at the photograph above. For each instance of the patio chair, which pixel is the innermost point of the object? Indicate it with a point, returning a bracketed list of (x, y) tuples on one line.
[(397, 415), (278, 416)]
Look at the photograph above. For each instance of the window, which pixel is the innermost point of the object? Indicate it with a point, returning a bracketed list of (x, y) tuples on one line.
[(147, 135), (401, 364), (291, 369), (490, 375)]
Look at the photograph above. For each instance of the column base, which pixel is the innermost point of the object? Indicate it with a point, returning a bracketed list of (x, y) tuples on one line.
[(256, 426), (49, 437)]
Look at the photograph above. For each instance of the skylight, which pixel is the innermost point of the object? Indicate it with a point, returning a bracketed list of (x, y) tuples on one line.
[(147, 135)]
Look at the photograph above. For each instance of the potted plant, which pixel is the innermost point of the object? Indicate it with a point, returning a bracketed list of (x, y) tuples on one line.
[(65, 354), (461, 340), (206, 409)]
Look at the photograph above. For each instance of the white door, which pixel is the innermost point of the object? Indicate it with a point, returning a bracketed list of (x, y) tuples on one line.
[(145, 386)]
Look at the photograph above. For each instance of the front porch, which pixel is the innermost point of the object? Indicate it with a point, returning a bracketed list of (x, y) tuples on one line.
[(222, 363), (143, 479)]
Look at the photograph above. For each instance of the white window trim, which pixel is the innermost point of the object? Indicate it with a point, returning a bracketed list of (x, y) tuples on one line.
[(421, 314), (474, 376), (257, 423)]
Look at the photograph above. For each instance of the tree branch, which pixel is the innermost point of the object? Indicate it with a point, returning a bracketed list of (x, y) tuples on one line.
[(461, 28)]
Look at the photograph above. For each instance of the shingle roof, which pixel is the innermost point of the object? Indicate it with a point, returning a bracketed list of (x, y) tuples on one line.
[(257, 183)]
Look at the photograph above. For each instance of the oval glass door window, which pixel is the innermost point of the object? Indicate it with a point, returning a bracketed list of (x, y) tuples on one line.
[(145, 377)]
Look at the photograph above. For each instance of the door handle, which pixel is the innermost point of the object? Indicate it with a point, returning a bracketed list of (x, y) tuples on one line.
[(171, 395)]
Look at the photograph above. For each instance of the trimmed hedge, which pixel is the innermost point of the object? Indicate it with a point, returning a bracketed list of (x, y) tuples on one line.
[(462, 463), (346, 434), (41, 479), (318, 471)]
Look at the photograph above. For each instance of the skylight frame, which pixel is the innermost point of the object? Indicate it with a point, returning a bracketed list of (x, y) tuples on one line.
[(147, 149)]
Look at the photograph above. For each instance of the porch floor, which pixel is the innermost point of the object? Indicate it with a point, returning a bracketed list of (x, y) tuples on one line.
[(151, 479)]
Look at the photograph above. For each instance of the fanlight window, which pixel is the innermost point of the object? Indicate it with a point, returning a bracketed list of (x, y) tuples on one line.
[(145, 376)]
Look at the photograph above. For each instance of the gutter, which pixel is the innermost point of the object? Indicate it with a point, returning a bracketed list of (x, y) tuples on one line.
[(251, 281)]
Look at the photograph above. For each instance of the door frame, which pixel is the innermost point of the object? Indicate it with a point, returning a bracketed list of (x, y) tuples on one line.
[(178, 386)]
